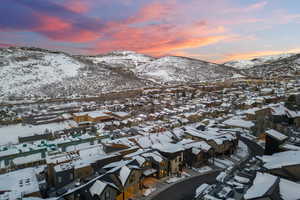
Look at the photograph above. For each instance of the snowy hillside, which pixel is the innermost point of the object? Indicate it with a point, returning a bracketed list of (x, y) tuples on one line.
[(34, 71), (173, 69), (24, 70), (246, 64), (125, 59), (288, 66)]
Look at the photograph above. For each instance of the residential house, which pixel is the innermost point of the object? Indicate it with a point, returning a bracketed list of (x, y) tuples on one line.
[(284, 164), (102, 190), (174, 154), (273, 140)]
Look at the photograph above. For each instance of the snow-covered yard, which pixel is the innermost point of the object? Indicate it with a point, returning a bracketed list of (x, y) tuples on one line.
[(10, 133), (203, 169)]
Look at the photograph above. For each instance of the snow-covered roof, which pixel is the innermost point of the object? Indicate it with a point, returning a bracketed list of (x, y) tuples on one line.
[(96, 114), (251, 110), (278, 109), (289, 190), (201, 189), (155, 155), (241, 179), (124, 174), (236, 122), (199, 145), (290, 147), (281, 159), (277, 135), (261, 184), (97, 188), (121, 114), (28, 159), (168, 147), (153, 138), (20, 182), (141, 160), (149, 171)]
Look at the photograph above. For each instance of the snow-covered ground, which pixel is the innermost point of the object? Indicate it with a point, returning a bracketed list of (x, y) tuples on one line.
[(10, 133), (246, 64), (148, 191), (203, 170), (175, 179), (223, 163), (23, 71), (180, 69), (128, 59)]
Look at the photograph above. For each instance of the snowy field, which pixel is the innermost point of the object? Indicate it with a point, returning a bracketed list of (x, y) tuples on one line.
[(10, 134)]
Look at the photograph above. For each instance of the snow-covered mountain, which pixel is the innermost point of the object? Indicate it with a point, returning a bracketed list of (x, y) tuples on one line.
[(125, 59), (26, 69), (288, 66), (268, 66), (34, 71), (247, 64), (173, 69)]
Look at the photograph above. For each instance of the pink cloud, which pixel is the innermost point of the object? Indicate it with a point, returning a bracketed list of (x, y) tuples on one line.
[(77, 6), (251, 55), (6, 45), (251, 8)]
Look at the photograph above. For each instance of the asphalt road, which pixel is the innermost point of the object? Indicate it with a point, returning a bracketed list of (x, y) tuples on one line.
[(185, 190)]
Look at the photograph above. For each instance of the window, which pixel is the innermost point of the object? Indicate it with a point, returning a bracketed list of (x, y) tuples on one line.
[(71, 176), (59, 179)]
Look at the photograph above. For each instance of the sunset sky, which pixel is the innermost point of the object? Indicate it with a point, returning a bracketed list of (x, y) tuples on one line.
[(213, 30)]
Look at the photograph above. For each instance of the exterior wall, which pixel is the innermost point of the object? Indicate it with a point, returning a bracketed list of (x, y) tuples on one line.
[(176, 164), (83, 172), (34, 194), (109, 194), (277, 172), (124, 196), (250, 116), (294, 170), (81, 118), (217, 148), (297, 122), (272, 145), (200, 159), (287, 172), (30, 164), (99, 119), (162, 168), (133, 182), (132, 186), (63, 178)]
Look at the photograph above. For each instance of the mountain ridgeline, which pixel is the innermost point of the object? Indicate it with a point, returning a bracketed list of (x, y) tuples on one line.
[(28, 71)]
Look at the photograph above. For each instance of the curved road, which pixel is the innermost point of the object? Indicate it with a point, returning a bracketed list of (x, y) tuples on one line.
[(185, 190)]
